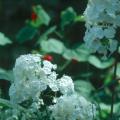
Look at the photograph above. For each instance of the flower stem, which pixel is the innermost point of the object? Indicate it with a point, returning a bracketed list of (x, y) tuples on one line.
[(66, 64), (114, 86)]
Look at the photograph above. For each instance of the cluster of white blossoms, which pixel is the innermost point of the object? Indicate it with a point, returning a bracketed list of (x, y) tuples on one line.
[(35, 80), (73, 107), (30, 78), (102, 19)]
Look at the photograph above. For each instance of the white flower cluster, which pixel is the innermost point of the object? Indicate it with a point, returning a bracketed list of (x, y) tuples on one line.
[(102, 19), (73, 107), (34, 77)]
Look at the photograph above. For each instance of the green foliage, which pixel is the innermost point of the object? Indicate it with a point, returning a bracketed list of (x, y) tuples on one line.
[(26, 33), (118, 70), (84, 88), (80, 18), (100, 64), (42, 17), (52, 45), (56, 46), (6, 75), (4, 40), (80, 54), (67, 16)]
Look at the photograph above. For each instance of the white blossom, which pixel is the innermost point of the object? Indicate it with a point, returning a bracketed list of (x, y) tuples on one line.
[(66, 85), (73, 107), (102, 19), (48, 66), (32, 78)]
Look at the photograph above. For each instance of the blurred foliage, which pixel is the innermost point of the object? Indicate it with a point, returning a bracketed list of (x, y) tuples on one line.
[(56, 28), (4, 40)]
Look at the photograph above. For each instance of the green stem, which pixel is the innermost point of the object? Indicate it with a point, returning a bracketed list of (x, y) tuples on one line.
[(113, 91), (114, 85), (66, 64), (58, 34), (11, 105)]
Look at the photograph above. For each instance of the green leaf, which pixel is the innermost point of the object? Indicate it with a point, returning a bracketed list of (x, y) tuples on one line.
[(84, 88), (6, 75), (26, 33), (80, 18), (118, 70), (5, 103), (79, 54), (42, 17), (9, 104), (67, 16), (67, 54), (4, 40), (52, 45), (105, 109), (93, 60)]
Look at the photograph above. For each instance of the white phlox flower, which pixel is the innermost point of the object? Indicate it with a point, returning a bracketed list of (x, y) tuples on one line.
[(101, 17), (73, 107), (32, 76), (36, 83)]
